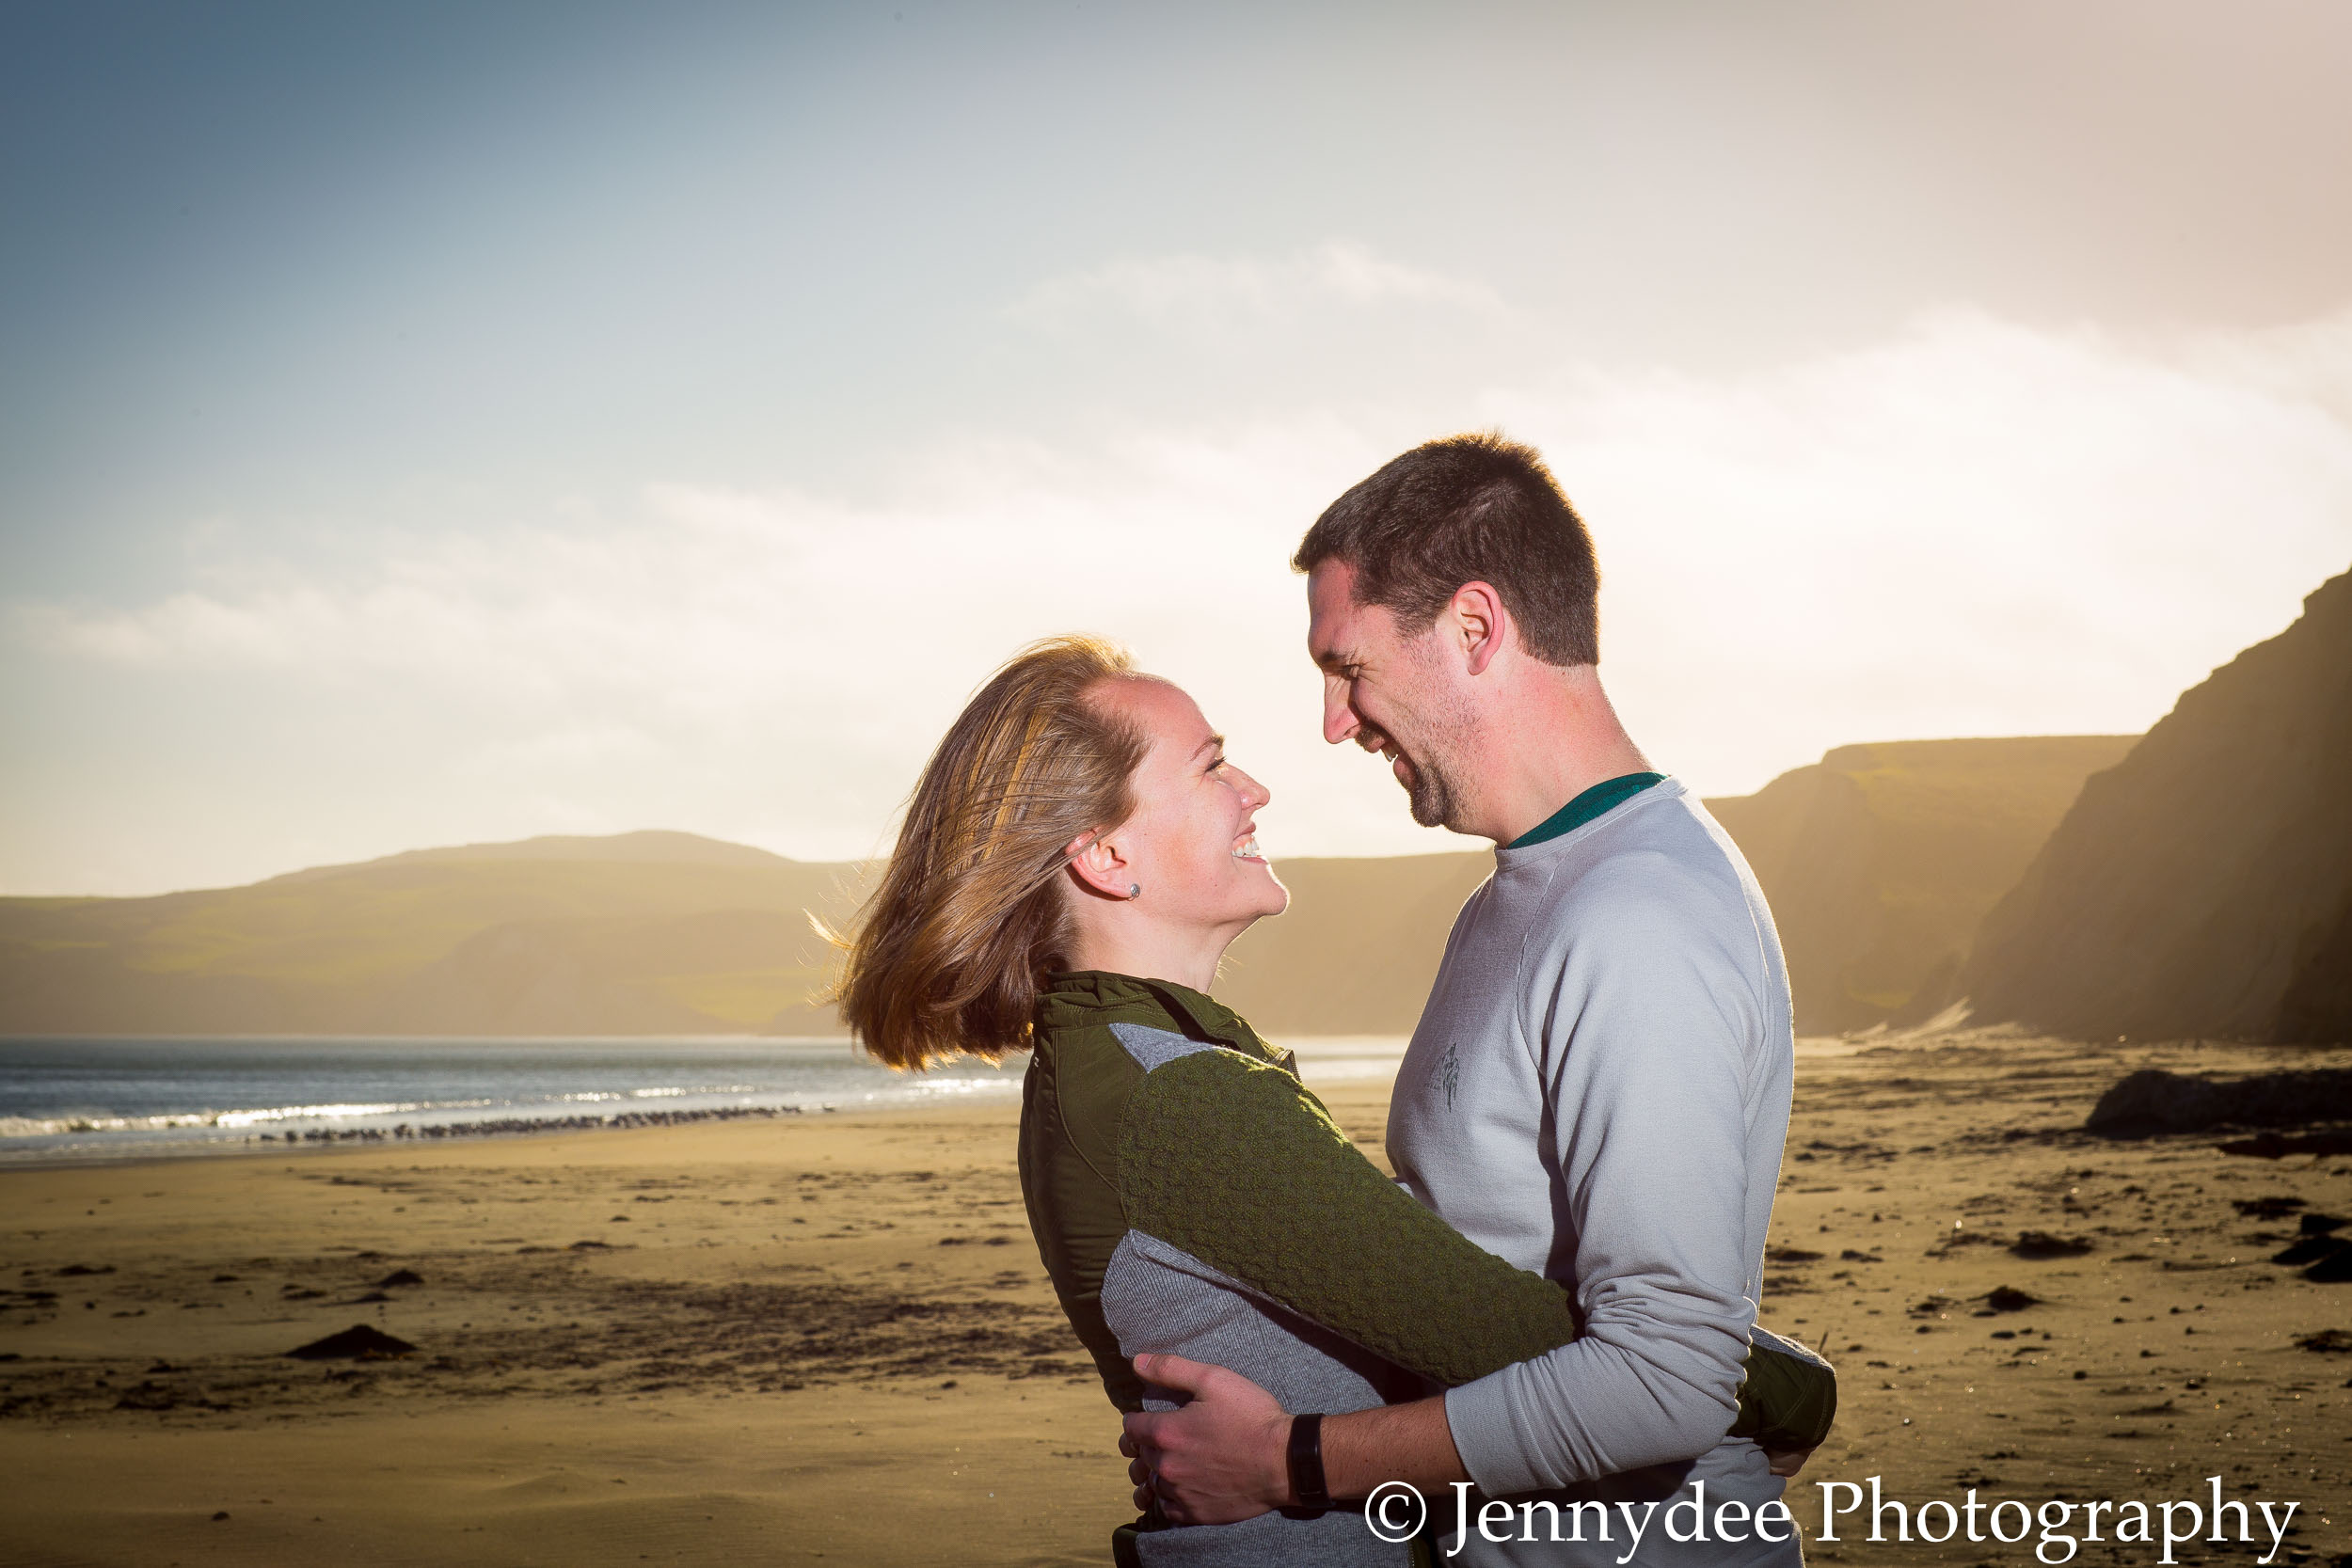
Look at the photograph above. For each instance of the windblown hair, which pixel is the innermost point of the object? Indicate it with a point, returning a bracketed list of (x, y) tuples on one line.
[(1468, 509), (951, 949)]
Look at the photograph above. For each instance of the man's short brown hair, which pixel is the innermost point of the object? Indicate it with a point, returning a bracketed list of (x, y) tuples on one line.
[(1472, 508)]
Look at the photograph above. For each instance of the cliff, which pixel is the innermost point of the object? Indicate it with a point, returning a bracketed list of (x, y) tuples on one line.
[(2203, 887), (1880, 861)]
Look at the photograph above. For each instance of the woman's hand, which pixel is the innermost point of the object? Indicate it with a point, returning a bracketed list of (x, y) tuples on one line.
[(1788, 1461), (1223, 1458)]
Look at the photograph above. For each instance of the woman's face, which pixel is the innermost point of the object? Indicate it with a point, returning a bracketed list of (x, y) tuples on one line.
[(1192, 843)]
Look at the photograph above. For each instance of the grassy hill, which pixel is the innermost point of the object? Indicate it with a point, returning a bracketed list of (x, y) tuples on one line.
[(643, 933), (1879, 861)]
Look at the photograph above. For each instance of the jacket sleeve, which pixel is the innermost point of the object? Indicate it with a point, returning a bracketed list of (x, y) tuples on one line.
[(1234, 1162)]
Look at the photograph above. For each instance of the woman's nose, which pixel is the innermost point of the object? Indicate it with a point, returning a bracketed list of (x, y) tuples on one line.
[(1253, 794)]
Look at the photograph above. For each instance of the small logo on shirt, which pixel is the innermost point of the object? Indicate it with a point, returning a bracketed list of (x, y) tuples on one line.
[(1450, 1072)]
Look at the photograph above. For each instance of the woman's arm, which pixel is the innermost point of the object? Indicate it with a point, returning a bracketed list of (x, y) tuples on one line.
[(1235, 1163)]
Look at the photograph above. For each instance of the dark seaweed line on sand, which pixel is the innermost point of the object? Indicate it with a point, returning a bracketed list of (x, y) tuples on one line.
[(509, 1126)]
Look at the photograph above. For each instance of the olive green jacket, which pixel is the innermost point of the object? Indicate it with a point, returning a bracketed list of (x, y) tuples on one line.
[(1165, 1148)]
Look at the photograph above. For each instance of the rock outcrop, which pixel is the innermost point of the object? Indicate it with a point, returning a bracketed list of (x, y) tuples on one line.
[(1881, 861), (2201, 888)]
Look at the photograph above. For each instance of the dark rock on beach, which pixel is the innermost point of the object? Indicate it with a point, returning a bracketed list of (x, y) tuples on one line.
[(2042, 1243), (2334, 1269), (359, 1342), (2149, 1103), (2310, 1249)]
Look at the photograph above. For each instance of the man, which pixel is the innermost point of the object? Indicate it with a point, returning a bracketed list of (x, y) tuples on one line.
[(1600, 1086)]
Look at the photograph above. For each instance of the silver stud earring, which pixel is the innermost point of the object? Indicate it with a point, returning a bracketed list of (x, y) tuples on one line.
[(1135, 890)]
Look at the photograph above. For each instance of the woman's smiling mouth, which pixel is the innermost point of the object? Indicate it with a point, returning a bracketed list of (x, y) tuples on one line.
[(1248, 848)]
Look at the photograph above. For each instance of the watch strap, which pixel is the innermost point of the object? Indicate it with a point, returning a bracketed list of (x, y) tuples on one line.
[(1306, 1462)]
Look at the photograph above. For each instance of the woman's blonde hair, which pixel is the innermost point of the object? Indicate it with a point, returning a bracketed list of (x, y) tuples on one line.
[(951, 949)]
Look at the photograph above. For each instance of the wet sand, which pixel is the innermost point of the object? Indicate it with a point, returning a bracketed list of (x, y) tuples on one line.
[(830, 1337), (1934, 1181)]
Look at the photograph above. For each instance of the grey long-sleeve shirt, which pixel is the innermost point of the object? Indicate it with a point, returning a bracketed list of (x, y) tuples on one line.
[(1599, 1091)]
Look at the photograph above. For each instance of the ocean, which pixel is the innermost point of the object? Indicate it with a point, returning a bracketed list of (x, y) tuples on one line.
[(74, 1099), (82, 1098)]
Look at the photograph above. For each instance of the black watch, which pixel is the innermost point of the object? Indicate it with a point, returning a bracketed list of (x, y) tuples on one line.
[(1306, 1461)]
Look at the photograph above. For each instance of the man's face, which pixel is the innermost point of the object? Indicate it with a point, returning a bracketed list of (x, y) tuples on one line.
[(1388, 692)]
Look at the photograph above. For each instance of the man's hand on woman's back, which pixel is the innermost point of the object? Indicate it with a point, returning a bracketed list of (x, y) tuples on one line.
[(1223, 1458)]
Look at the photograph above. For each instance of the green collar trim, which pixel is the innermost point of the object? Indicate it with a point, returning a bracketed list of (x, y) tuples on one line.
[(1602, 797), (1081, 996)]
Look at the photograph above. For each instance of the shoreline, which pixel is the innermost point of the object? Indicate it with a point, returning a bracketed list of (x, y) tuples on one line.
[(1326, 1062), (460, 1135)]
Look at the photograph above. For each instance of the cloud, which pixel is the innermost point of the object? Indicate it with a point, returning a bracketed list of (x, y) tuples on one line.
[(1972, 528), (1190, 291)]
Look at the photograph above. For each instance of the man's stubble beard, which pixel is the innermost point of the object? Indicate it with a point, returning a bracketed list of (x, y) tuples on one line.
[(1430, 791)]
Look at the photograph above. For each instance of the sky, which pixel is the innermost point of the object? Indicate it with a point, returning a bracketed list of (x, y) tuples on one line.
[(427, 424)]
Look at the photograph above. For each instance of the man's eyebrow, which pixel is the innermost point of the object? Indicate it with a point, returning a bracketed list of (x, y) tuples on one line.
[(1331, 659)]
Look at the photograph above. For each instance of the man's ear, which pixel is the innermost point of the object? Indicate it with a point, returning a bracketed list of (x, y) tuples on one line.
[(1475, 618), (1099, 866)]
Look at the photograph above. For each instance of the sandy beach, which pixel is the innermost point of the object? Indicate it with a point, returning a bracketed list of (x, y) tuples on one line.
[(828, 1338)]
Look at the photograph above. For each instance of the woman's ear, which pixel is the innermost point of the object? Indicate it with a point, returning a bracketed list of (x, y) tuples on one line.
[(1099, 866)]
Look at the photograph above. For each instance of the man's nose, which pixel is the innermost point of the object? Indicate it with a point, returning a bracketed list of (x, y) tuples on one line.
[(1339, 718)]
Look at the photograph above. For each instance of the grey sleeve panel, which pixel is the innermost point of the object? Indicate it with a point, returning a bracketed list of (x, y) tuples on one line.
[(1138, 1248), (1157, 1048), (1158, 1297), (1161, 1298)]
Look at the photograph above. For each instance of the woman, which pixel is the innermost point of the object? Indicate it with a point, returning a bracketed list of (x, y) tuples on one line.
[(1074, 862)]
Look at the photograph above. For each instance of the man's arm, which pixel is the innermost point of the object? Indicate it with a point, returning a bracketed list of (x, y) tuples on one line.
[(1236, 1164), (1226, 1455), (1645, 1030)]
